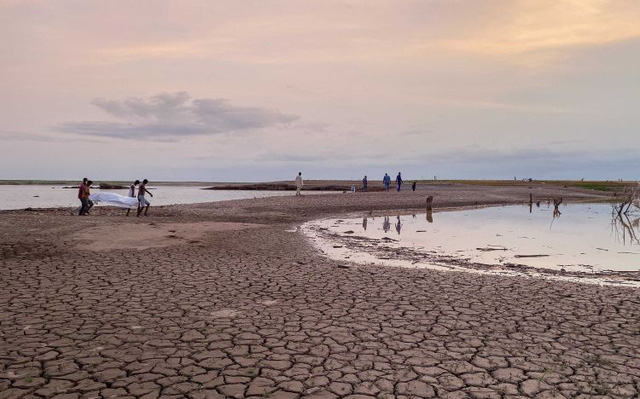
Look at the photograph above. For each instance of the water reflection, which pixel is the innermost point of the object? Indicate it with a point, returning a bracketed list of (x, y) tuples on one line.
[(556, 205), (386, 224), (624, 228), (430, 209), (398, 225), (587, 237)]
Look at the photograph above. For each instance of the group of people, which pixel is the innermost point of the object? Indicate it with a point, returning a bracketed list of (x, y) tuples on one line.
[(386, 180), (143, 203), (84, 194)]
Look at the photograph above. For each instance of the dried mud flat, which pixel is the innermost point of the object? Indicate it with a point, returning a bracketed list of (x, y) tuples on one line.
[(237, 306)]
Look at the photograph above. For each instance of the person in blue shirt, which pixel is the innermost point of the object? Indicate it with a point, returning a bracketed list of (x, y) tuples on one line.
[(387, 181), (399, 181)]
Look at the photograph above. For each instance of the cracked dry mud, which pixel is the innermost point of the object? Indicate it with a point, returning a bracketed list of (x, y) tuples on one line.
[(256, 312)]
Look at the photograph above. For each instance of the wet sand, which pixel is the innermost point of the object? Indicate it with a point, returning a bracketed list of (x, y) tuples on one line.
[(228, 300)]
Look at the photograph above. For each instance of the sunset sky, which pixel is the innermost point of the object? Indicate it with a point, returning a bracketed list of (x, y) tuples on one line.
[(259, 90)]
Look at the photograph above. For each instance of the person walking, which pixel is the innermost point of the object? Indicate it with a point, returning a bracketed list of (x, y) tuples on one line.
[(413, 186), (364, 183), (87, 194), (83, 202), (399, 181), (299, 183), (132, 192), (386, 180), (142, 201)]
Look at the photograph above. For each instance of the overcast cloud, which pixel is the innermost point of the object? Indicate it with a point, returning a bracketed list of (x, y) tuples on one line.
[(258, 90)]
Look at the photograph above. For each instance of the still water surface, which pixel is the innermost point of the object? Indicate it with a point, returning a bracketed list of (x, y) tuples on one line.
[(583, 238), (42, 196)]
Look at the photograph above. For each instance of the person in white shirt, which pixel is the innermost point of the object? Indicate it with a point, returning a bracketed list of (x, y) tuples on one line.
[(299, 183), (132, 192)]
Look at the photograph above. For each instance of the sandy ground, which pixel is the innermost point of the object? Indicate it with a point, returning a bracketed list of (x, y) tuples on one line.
[(224, 300)]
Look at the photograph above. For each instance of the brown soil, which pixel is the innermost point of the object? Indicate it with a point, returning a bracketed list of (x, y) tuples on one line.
[(237, 305)]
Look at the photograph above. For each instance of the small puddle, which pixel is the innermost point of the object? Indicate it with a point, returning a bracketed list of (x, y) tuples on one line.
[(577, 241)]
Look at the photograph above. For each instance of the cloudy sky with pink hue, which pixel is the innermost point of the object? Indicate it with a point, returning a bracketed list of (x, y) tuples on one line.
[(256, 90)]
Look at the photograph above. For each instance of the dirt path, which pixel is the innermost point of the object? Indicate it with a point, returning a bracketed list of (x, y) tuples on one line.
[(228, 310)]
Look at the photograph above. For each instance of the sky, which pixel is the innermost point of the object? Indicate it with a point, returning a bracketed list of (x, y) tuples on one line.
[(257, 90)]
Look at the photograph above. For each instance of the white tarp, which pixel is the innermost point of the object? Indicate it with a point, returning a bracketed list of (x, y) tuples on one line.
[(114, 199)]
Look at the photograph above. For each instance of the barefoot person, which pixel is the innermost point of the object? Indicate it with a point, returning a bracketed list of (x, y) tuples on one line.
[(299, 183), (132, 192), (83, 202), (142, 201)]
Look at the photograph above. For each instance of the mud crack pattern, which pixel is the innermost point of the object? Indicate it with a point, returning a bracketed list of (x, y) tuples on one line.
[(258, 314)]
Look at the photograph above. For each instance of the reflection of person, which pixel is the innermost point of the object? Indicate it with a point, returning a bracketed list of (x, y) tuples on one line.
[(386, 224), (299, 183), (399, 181), (132, 192), (398, 225), (142, 201), (387, 181), (364, 223), (364, 183)]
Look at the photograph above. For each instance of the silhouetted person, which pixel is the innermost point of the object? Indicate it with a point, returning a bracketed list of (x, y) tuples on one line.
[(413, 186), (399, 181), (364, 183)]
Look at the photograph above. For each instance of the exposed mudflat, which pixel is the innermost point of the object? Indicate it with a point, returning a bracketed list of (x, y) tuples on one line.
[(239, 304)]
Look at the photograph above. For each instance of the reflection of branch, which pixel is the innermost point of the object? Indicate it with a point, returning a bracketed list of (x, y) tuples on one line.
[(623, 226), (556, 211)]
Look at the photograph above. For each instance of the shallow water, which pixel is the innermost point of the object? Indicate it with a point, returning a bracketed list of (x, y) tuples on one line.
[(43, 196), (583, 238)]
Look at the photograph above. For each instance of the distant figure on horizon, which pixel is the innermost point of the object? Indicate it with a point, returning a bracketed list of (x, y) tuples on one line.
[(399, 181), (364, 183), (132, 192), (299, 183), (387, 181), (81, 197), (142, 201), (413, 185)]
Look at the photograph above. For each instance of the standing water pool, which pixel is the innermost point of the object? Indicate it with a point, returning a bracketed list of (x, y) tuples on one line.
[(581, 238)]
